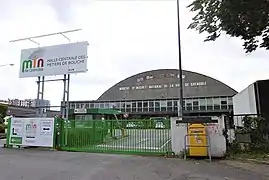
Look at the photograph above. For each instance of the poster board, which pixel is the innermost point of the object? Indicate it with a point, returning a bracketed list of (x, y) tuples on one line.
[(37, 131)]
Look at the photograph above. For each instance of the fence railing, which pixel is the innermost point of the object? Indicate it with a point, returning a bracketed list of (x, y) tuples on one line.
[(125, 136)]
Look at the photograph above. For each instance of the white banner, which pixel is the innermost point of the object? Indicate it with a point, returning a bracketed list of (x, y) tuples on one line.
[(54, 60), (32, 132)]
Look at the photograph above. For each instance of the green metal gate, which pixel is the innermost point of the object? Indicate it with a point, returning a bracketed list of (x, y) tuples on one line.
[(115, 136)]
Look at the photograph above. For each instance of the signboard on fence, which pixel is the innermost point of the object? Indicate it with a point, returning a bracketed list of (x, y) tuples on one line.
[(31, 131), (54, 60)]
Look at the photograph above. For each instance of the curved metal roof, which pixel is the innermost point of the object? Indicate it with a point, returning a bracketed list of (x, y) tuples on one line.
[(163, 84)]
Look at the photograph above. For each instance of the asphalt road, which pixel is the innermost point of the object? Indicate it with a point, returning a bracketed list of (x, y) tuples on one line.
[(148, 139), (34, 164)]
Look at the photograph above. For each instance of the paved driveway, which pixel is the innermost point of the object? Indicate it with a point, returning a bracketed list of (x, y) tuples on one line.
[(33, 164), (142, 140)]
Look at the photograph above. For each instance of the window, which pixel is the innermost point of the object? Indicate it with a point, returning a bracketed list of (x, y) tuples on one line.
[(82, 105), (87, 106), (175, 103), (139, 105), (145, 106), (102, 105), (202, 104), (96, 105), (216, 102), (195, 104), (188, 103), (230, 102), (169, 103), (151, 106), (128, 105), (122, 106), (209, 103), (72, 106), (107, 105), (91, 105), (117, 104), (157, 106), (223, 103), (134, 107)]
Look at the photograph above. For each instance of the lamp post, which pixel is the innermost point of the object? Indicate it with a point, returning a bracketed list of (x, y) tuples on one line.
[(180, 89)]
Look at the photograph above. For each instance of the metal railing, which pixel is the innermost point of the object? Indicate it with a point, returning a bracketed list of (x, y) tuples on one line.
[(136, 136)]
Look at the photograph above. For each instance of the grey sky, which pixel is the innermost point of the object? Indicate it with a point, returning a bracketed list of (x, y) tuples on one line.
[(125, 38)]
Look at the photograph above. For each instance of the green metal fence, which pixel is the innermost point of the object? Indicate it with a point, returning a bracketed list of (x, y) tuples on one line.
[(115, 136)]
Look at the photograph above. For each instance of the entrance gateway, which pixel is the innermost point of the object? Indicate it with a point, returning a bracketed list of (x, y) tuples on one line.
[(106, 130), (103, 130)]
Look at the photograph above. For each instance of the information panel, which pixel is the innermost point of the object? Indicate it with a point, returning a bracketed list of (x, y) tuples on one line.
[(31, 131)]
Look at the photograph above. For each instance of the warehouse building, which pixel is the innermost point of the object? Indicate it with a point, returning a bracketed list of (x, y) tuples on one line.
[(155, 93)]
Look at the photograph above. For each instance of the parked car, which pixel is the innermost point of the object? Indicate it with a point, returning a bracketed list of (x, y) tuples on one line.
[(159, 125), (131, 125)]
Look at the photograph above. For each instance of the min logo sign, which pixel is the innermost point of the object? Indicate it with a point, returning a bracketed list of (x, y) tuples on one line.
[(32, 65)]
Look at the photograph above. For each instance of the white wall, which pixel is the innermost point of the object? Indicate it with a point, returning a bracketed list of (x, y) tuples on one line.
[(244, 102)]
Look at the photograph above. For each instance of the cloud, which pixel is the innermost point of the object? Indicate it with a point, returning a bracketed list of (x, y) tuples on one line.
[(125, 37)]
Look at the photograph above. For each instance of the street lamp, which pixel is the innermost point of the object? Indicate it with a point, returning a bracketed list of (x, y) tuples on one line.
[(180, 89), (3, 65)]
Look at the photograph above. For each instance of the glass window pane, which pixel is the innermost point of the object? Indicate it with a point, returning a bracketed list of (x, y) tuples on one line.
[(96, 105), (195, 103), (202, 103), (216, 102), (157, 104), (151, 104), (169, 103), (139, 104), (230, 100), (175, 103), (188, 103), (163, 103), (102, 105), (133, 104), (209, 103), (128, 105), (145, 104)]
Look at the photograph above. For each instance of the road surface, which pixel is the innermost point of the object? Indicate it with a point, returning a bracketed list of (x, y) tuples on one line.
[(141, 139), (34, 164)]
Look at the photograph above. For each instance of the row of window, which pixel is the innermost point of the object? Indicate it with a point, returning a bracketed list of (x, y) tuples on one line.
[(195, 104)]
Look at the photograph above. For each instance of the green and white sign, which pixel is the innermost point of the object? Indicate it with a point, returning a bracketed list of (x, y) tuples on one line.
[(31, 131)]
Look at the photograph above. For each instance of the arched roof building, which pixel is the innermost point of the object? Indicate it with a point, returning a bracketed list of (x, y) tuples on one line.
[(163, 83), (156, 92)]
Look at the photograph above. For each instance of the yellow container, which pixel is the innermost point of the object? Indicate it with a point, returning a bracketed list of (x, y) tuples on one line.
[(197, 140)]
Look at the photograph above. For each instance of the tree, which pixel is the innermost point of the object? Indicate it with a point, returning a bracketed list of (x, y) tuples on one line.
[(246, 19)]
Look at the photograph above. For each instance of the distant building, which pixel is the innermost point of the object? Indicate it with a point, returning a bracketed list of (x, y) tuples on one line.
[(28, 103), (156, 93)]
